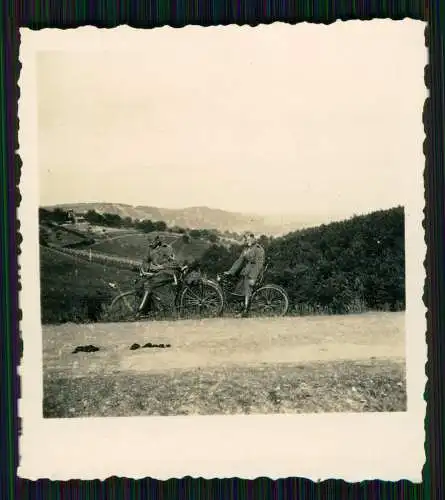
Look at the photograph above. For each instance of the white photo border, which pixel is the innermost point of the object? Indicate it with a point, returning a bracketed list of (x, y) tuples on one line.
[(352, 447)]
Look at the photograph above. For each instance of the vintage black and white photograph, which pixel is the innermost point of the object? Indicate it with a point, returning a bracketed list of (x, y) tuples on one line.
[(224, 221)]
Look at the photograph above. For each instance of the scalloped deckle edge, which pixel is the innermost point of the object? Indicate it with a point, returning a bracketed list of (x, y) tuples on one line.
[(232, 446)]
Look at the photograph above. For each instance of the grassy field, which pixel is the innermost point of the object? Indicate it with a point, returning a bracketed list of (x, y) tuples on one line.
[(63, 236), (70, 285), (190, 251), (132, 246), (135, 246), (101, 232), (223, 366)]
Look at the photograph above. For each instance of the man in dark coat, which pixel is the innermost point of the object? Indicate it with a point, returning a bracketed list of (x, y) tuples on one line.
[(248, 267), (161, 263)]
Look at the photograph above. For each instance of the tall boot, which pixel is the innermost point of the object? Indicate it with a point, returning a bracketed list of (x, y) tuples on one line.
[(245, 312), (144, 302)]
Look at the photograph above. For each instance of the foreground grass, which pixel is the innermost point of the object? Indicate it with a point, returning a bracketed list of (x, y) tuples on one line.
[(352, 386)]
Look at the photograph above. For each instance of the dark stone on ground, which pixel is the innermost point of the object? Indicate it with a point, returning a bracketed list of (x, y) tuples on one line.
[(161, 346), (85, 348), (134, 347)]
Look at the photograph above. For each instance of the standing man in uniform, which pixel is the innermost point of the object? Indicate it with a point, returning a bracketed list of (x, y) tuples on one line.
[(248, 266), (161, 262)]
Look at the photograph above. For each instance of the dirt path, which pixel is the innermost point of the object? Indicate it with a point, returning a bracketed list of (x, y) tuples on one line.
[(223, 342)]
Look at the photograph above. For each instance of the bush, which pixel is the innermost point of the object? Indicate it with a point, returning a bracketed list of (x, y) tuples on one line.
[(57, 216), (218, 258), (360, 260)]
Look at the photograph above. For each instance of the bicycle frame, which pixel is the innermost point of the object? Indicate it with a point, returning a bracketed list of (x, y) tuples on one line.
[(235, 296), (177, 282)]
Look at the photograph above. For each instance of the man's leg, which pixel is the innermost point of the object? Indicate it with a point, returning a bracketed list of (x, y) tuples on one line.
[(247, 296), (146, 293), (156, 281)]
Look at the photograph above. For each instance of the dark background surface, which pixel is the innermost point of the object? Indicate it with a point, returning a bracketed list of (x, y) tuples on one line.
[(64, 14)]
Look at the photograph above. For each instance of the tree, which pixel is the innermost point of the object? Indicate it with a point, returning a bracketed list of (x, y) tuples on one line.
[(112, 220), (146, 226), (127, 222), (195, 233), (160, 225), (59, 216), (94, 218)]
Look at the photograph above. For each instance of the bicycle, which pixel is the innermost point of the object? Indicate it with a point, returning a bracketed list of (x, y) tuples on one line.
[(194, 297), (266, 300)]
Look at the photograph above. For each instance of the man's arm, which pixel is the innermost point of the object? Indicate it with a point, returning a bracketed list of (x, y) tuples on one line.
[(236, 265)]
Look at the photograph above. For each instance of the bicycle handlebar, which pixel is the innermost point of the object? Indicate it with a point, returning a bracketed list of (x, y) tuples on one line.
[(150, 273)]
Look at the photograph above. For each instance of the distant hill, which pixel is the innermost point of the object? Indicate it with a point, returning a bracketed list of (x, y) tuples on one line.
[(198, 217)]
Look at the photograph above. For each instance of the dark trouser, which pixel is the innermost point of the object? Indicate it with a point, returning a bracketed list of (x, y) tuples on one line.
[(158, 280), (244, 288)]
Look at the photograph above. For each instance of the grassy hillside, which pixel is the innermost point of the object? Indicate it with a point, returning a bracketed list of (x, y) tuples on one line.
[(58, 235), (134, 246), (190, 250), (73, 289)]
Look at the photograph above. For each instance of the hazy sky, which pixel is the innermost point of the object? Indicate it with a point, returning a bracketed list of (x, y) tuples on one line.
[(305, 119)]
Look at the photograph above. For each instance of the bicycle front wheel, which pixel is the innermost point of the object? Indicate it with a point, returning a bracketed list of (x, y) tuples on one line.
[(269, 300), (201, 300), (124, 307)]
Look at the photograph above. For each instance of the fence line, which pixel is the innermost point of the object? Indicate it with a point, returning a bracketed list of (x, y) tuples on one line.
[(97, 257)]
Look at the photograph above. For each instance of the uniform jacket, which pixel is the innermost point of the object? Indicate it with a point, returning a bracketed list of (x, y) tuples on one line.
[(159, 257), (250, 263)]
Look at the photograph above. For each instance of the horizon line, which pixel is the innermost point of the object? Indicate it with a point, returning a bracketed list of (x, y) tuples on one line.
[(295, 216)]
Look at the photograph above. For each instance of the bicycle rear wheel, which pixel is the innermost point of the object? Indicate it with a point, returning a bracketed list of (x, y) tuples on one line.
[(201, 300), (269, 300)]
